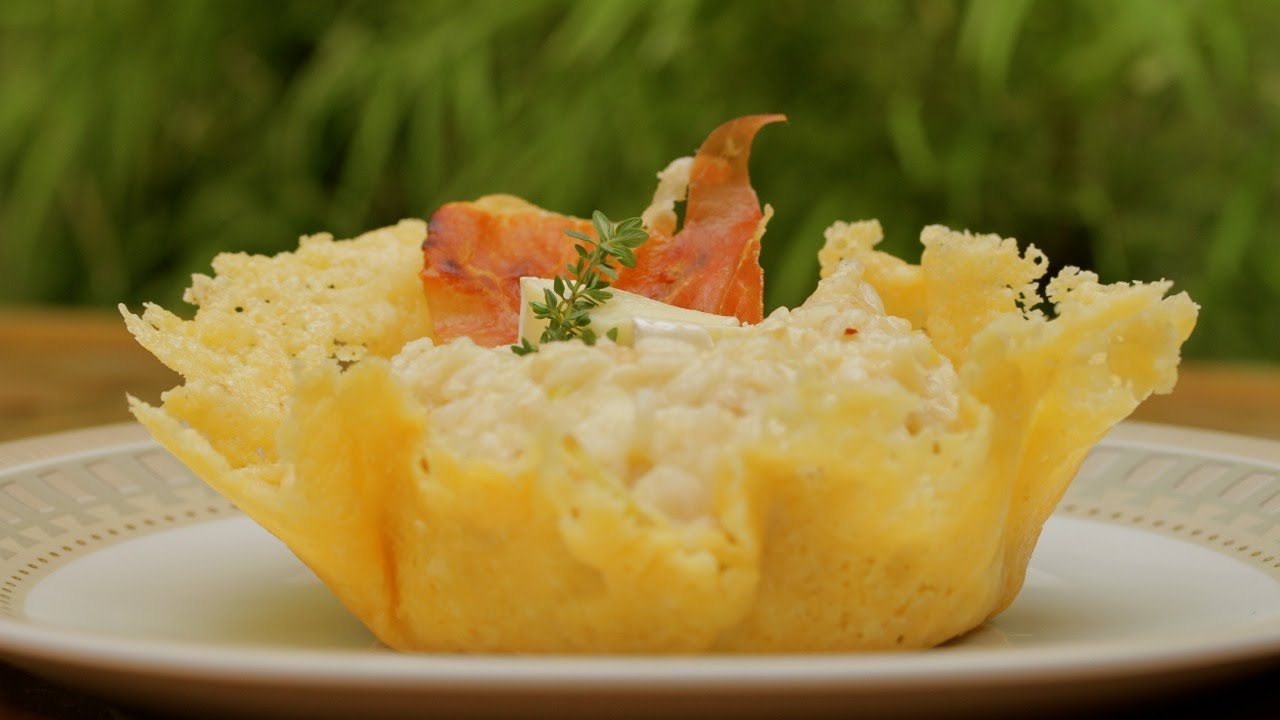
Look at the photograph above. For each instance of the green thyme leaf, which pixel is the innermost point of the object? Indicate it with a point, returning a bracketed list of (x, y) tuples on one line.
[(524, 348), (568, 303)]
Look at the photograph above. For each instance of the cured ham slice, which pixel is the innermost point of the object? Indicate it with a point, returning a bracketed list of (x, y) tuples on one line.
[(476, 252)]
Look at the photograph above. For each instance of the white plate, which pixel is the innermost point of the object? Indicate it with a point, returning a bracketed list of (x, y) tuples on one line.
[(123, 575)]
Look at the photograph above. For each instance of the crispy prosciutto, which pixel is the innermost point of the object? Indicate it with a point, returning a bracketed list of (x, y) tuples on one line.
[(476, 252)]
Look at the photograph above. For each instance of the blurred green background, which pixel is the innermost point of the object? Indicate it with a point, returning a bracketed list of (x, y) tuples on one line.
[(1139, 138)]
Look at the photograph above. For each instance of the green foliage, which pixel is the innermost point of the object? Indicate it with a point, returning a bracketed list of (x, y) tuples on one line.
[(1140, 138)]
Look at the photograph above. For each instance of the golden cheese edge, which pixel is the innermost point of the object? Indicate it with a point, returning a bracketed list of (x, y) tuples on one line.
[(1055, 386), (440, 552)]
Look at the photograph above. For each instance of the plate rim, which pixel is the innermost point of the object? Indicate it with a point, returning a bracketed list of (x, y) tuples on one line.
[(442, 672), (30, 642)]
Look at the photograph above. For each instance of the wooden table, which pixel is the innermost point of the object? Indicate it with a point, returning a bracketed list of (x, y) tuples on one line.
[(64, 369)]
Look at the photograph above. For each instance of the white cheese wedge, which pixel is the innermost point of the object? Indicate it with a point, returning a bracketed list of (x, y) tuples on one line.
[(635, 317)]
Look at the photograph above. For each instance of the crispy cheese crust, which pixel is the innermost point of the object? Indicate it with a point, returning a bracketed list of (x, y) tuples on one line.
[(869, 471)]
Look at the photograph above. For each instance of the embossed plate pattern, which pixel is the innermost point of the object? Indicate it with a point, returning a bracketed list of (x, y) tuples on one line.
[(122, 574)]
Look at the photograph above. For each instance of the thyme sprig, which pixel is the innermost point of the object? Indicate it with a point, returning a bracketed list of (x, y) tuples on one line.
[(567, 304)]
